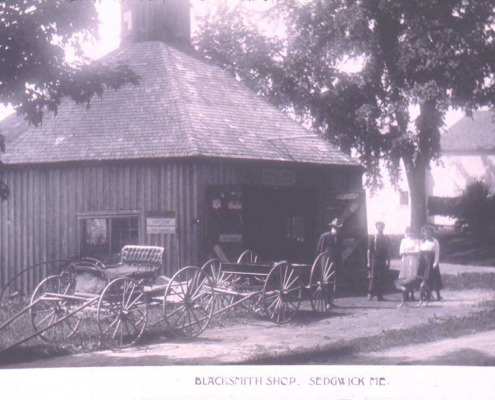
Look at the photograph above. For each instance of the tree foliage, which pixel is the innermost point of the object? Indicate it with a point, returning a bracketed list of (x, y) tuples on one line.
[(423, 55), (34, 74)]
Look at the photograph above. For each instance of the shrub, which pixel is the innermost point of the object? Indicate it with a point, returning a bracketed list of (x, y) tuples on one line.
[(476, 211), (445, 206)]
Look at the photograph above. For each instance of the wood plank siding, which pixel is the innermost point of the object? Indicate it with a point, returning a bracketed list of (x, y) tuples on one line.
[(41, 219)]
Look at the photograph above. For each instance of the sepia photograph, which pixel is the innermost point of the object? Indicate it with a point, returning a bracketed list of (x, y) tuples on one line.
[(224, 198)]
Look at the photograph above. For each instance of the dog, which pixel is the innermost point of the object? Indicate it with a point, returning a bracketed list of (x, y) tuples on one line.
[(424, 294)]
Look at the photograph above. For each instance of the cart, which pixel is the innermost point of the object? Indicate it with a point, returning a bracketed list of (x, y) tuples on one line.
[(120, 298), (273, 289)]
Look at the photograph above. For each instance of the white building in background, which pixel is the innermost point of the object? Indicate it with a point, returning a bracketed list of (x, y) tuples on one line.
[(390, 205), (468, 154)]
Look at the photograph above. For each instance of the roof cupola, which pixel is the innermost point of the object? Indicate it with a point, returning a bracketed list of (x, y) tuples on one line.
[(150, 20)]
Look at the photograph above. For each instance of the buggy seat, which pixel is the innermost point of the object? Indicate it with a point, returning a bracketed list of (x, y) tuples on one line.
[(140, 262)]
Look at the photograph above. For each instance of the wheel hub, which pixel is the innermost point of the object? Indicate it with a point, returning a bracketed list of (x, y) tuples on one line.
[(187, 301)]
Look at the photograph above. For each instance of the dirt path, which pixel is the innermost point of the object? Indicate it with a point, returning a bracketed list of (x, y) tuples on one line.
[(257, 339), (469, 350)]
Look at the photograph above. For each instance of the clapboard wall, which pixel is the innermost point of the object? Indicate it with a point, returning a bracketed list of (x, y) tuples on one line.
[(40, 221)]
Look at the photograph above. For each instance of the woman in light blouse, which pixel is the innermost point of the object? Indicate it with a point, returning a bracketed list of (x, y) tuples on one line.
[(409, 280), (430, 255)]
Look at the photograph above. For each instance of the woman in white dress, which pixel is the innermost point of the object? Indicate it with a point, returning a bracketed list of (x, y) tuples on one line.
[(408, 280)]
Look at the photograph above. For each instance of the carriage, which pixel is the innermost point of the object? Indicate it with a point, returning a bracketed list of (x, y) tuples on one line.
[(272, 289), (120, 297)]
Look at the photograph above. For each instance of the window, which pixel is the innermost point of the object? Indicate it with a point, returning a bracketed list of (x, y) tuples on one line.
[(295, 228), (107, 235), (403, 197)]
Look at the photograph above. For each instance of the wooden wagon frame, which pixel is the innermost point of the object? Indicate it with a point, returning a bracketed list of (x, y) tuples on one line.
[(120, 296), (272, 289)]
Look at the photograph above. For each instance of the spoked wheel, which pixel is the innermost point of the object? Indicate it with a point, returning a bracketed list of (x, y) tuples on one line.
[(248, 257), (322, 283), (187, 304), (122, 312), (219, 280), (49, 308), (281, 296)]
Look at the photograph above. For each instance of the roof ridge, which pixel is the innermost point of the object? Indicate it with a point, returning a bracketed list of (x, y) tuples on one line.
[(184, 111), (283, 114)]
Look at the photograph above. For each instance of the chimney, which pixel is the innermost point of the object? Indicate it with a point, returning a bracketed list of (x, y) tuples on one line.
[(164, 20)]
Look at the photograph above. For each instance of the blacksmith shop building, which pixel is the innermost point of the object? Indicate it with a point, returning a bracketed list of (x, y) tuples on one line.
[(189, 159)]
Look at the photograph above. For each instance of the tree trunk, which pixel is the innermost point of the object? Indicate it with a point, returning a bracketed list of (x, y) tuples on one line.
[(416, 178), (428, 125)]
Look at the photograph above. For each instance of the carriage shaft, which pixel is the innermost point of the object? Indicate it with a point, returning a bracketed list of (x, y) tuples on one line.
[(236, 303), (12, 319), (37, 333)]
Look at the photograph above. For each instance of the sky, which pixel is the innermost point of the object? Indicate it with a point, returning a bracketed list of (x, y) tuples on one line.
[(109, 29), (109, 14), (109, 32)]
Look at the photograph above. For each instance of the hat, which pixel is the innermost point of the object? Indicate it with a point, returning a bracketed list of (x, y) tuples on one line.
[(379, 223), (335, 223)]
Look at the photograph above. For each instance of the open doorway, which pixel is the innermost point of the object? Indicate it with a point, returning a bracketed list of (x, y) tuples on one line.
[(279, 222)]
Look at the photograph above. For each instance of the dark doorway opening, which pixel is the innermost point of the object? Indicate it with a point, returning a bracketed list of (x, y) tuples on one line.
[(279, 222)]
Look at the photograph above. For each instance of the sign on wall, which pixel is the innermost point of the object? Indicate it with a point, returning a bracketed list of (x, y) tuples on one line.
[(230, 238), (161, 223), (278, 177), (347, 196)]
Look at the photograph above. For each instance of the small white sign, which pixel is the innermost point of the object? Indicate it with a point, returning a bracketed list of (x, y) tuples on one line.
[(347, 196), (230, 238), (234, 205), (158, 225)]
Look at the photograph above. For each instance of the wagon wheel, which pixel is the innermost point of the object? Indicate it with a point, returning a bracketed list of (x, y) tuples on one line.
[(187, 304), (322, 283), (281, 295), (48, 308), (220, 280), (254, 303), (248, 257), (122, 312)]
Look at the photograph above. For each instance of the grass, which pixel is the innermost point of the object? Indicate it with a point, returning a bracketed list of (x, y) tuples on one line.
[(458, 248), (86, 338)]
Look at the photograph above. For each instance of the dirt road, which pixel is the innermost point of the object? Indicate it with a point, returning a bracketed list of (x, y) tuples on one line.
[(469, 350), (255, 340)]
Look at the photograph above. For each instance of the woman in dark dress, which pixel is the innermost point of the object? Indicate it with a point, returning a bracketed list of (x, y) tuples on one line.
[(429, 258)]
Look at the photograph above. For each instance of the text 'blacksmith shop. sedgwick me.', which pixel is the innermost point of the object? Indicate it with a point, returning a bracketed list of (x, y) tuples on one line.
[(289, 381)]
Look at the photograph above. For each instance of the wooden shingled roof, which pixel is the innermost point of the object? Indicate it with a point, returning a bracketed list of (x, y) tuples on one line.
[(476, 133), (183, 107)]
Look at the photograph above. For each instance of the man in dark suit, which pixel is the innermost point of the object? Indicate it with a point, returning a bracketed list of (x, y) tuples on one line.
[(378, 262), (331, 243)]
